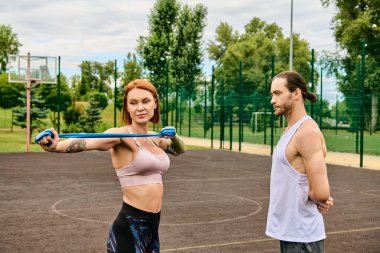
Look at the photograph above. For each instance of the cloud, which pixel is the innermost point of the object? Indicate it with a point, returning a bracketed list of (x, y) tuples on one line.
[(80, 30)]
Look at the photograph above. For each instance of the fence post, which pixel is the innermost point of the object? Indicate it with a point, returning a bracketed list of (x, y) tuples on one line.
[(312, 81), (166, 95), (190, 94), (362, 44), (240, 103), (222, 117), (357, 116), (336, 115), (272, 114), (115, 95), (59, 95), (265, 107), (205, 113), (212, 106), (231, 126), (180, 115), (176, 105), (321, 100)]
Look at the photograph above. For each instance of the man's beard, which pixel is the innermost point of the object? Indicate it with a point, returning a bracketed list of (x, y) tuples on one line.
[(286, 109)]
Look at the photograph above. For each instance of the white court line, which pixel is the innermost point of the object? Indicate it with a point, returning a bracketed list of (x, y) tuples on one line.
[(213, 179), (217, 245), (353, 230), (260, 240), (61, 212)]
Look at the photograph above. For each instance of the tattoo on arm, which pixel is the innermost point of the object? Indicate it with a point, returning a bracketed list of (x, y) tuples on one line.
[(170, 150), (76, 146), (176, 146)]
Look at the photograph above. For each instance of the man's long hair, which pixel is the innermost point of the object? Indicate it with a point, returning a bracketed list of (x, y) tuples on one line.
[(293, 81)]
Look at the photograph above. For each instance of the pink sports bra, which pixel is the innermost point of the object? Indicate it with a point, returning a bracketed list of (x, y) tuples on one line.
[(146, 168)]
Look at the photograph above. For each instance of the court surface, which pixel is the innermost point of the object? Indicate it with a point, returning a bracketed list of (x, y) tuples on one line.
[(215, 201)]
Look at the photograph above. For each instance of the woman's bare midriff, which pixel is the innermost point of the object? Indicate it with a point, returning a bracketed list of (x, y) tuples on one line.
[(144, 197)]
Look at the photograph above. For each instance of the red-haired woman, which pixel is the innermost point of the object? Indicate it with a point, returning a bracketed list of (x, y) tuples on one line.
[(139, 163)]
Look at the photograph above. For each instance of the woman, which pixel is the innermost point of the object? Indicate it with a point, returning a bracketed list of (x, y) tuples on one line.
[(139, 164)]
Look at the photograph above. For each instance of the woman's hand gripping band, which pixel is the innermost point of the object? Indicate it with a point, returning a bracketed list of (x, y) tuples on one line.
[(175, 145)]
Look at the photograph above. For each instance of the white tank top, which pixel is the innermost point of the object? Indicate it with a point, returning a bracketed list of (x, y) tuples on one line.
[(292, 216)]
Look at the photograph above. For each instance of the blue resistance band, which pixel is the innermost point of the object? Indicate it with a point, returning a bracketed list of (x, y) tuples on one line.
[(166, 131)]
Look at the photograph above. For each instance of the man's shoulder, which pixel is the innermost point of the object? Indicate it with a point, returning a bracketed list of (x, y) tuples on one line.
[(309, 128)]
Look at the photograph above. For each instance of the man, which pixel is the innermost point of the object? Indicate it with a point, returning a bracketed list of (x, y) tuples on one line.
[(299, 187)]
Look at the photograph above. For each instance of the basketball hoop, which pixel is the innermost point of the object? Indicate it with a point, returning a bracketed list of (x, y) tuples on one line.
[(31, 70)]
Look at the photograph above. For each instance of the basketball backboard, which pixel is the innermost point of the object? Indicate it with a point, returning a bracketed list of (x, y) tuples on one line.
[(23, 68)]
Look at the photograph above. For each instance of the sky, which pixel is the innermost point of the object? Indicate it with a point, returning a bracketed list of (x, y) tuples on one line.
[(102, 30)]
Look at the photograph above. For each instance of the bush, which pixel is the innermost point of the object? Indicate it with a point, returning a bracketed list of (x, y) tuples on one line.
[(73, 128), (72, 114)]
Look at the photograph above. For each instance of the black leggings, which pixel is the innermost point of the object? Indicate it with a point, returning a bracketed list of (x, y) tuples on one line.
[(134, 231)]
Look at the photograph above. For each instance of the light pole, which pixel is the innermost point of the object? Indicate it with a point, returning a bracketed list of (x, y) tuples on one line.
[(291, 37)]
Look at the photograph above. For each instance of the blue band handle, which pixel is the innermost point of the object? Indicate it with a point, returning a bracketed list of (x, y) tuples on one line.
[(43, 134), (166, 131)]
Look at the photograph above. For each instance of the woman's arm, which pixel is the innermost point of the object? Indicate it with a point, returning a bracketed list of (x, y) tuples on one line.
[(173, 145), (74, 145)]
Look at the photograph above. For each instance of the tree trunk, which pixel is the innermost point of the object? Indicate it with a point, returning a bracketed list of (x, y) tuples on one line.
[(374, 110)]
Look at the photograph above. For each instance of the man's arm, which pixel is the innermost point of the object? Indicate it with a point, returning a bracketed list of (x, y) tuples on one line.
[(310, 145)]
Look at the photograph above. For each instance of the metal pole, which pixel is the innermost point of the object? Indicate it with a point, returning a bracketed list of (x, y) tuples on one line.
[(272, 114), (115, 96), (205, 112), (167, 96), (357, 116), (362, 103), (231, 126), (240, 103), (28, 88), (59, 95), (336, 115), (222, 117), (291, 37), (321, 113), (265, 107), (176, 106), (312, 80), (180, 115), (190, 114), (190, 95), (212, 107)]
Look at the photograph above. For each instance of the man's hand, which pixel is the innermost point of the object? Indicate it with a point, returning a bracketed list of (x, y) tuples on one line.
[(324, 207)]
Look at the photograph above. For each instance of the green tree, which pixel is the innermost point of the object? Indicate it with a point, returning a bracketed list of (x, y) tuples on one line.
[(95, 76), (105, 72), (9, 92), (101, 98), (225, 36), (355, 21), (92, 117), (132, 70), (255, 49), (187, 50), (38, 111), (87, 81), (9, 44), (49, 93), (72, 113), (155, 49), (72, 116)]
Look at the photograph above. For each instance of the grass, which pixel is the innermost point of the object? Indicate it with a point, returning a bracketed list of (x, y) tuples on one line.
[(343, 141), (16, 141)]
